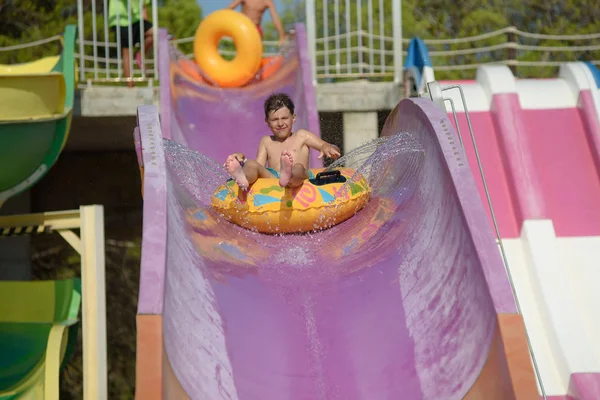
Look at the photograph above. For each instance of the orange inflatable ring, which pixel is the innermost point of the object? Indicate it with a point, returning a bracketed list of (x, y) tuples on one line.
[(248, 45), (270, 65)]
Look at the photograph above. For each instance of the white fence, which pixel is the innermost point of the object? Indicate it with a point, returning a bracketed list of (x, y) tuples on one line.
[(355, 39), (362, 39), (528, 54), (108, 67), (101, 59)]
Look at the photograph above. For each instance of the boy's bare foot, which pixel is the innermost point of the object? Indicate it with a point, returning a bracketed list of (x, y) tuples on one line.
[(235, 170), (285, 164)]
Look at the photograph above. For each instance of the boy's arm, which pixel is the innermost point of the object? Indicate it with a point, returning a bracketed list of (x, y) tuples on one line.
[(325, 149), (276, 21), (234, 4), (261, 155)]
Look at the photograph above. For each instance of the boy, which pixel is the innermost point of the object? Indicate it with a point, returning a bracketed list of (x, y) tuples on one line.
[(254, 9), (285, 151), (139, 18)]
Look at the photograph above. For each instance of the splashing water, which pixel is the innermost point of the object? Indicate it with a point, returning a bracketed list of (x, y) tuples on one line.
[(391, 166)]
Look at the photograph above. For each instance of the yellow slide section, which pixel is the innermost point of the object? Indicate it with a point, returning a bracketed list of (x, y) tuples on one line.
[(41, 66), (32, 97), (31, 91), (36, 105)]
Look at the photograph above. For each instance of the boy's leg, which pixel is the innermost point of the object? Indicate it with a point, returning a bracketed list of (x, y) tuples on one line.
[(148, 41), (148, 37), (245, 175), (123, 38), (126, 65), (299, 175), (254, 170)]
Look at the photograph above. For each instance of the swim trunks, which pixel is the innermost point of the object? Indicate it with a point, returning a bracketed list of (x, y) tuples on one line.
[(135, 33), (274, 172), (271, 170), (259, 30)]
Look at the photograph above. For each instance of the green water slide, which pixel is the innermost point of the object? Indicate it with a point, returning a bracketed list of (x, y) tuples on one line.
[(38, 331), (36, 106)]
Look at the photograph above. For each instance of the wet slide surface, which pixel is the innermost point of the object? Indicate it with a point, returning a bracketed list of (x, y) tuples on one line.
[(220, 122), (393, 303)]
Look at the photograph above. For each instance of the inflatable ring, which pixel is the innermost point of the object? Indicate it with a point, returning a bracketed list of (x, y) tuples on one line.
[(189, 69), (248, 45), (329, 198), (270, 65)]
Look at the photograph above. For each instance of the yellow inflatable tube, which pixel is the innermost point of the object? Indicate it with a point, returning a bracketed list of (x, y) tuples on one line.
[(248, 45), (328, 199)]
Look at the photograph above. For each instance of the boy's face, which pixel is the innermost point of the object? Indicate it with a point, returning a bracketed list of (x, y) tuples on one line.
[(280, 122)]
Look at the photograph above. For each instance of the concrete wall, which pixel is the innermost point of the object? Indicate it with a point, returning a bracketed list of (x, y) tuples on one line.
[(349, 130)]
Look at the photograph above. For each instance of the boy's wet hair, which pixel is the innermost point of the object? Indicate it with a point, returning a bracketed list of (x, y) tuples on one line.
[(277, 101)]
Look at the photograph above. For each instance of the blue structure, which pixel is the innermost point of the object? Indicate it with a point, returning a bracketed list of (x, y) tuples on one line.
[(595, 72), (417, 59)]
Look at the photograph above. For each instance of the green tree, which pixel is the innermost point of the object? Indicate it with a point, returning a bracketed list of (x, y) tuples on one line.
[(31, 21), (181, 19)]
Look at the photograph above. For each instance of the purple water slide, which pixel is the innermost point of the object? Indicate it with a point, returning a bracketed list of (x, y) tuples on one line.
[(220, 122), (399, 302)]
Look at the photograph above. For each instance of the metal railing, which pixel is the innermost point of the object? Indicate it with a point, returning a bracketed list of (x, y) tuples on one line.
[(527, 54), (101, 59), (347, 40), (354, 39)]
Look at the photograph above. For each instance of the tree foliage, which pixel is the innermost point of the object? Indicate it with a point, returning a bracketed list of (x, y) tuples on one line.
[(25, 21), (181, 19)]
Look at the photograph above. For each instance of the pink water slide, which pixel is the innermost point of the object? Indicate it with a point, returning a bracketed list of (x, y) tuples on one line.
[(539, 144), (409, 299)]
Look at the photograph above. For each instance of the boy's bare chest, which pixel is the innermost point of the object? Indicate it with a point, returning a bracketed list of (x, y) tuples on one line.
[(255, 5), (293, 146)]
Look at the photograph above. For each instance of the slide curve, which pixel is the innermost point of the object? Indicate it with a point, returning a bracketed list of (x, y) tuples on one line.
[(36, 105), (407, 299), (539, 145)]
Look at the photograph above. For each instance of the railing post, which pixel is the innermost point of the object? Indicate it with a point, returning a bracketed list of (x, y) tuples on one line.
[(512, 51), (93, 287), (81, 39), (155, 38), (94, 40), (397, 39), (311, 36)]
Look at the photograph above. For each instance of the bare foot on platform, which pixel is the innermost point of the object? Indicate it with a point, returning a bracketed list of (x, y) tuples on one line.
[(285, 165), (234, 168)]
